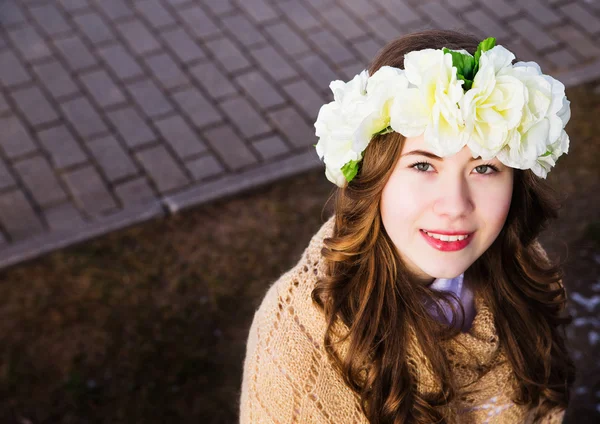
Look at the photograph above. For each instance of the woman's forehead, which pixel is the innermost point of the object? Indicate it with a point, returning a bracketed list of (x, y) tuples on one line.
[(414, 146)]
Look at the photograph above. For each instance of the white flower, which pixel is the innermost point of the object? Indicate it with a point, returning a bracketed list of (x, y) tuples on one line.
[(544, 163), (335, 175), (429, 105), (346, 93), (382, 87), (335, 130), (545, 114), (386, 83), (493, 107), (337, 124)]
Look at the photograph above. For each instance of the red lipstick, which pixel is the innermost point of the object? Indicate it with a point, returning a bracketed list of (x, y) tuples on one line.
[(450, 233), (447, 246)]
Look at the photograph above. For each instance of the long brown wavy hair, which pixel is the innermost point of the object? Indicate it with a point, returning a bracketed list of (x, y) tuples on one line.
[(368, 288)]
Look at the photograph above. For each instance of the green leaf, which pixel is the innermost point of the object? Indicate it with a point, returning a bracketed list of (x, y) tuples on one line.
[(350, 170), (467, 83), (386, 130), (484, 46), (464, 64)]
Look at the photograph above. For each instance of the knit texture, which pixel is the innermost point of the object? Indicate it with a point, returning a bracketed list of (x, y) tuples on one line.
[(288, 378)]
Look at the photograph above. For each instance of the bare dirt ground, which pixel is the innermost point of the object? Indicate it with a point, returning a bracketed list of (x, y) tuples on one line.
[(149, 324)]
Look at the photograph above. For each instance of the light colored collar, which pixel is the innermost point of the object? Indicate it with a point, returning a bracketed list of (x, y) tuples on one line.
[(454, 285), (457, 286)]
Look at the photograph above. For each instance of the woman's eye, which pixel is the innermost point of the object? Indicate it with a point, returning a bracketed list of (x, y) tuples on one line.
[(482, 169), (421, 166)]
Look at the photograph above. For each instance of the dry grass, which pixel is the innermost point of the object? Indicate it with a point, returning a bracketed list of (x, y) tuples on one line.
[(149, 324)]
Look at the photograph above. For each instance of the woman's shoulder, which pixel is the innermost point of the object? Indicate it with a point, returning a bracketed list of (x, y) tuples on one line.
[(289, 297), (285, 357)]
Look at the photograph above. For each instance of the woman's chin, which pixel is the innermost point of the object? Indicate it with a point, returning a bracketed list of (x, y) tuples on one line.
[(447, 273)]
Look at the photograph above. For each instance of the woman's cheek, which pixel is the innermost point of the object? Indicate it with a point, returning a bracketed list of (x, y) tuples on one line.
[(495, 203), (402, 198)]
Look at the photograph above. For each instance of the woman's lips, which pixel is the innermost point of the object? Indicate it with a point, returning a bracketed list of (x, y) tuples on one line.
[(446, 246)]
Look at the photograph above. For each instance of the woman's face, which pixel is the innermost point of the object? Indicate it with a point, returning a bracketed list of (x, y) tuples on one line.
[(455, 195)]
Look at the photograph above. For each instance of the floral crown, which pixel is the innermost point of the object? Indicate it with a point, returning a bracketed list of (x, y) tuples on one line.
[(498, 109)]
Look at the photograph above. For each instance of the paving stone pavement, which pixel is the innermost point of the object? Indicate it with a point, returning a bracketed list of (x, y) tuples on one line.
[(117, 111)]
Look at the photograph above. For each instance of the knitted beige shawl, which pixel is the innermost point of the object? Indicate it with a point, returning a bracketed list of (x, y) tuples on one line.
[(288, 377)]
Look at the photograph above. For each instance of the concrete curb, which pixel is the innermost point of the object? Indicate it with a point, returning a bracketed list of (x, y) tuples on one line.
[(37, 246), (234, 184), (46, 243)]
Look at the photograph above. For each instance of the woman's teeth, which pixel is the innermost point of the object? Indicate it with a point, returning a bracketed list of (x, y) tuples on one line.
[(443, 237)]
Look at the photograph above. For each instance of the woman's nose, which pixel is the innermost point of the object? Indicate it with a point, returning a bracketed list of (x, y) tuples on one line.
[(454, 198)]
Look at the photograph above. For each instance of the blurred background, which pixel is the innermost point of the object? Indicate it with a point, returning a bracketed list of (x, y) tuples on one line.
[(157, 174)]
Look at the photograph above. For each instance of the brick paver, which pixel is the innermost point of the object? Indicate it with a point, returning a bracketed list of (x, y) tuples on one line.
[(260, 90), (166, 71), (120, 61), (230, 147), (57, 80), (212, 80), (40, 180), (62, 147), (90, 191), (162, 168), (205, 166), (34, 106), (64, 217), (197, 107), (18, 218), (135, 192), (16, 140), (149, 98), (94, 27), (29, 43), (131, 126), (83, 116), (12, 71), (180, 136), (109, 108), (112, 158), (183, 45), (115, 9), (287, 38), (50, 19), (75, 53), (270, 147), (155, 13), (102, 88), (6, 179)]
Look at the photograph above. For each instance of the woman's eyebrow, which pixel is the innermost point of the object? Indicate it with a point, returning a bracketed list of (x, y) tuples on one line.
[(422, 153), (431, 155)]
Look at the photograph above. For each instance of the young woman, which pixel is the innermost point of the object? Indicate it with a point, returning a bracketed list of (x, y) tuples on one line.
[(426, 297)]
